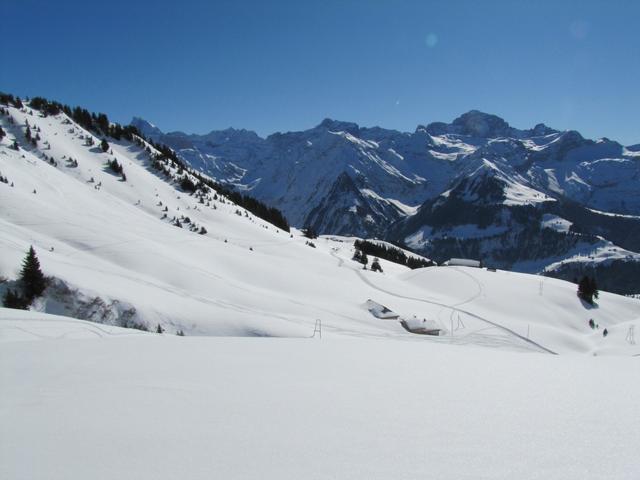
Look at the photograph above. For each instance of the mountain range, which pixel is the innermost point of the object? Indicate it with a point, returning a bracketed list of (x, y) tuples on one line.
[(537, 200)]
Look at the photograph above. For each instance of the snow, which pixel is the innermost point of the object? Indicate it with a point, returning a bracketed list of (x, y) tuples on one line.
[(419, 239), (609, 214), (514, 189), (412, 168), (518, 194), (244, 277), (471, 231), (555, 222), (367, 400), (164, 407), (405, 209), (379, 311), (601, 252)]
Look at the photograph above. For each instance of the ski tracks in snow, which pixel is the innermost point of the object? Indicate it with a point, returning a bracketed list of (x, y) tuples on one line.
[(453, 307)]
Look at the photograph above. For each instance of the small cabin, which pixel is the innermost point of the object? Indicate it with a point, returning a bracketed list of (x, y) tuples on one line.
[(422, 326), (380, 311), (463, 262)]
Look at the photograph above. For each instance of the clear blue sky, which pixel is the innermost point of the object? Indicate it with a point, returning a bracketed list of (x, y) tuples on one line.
[(285, 65)]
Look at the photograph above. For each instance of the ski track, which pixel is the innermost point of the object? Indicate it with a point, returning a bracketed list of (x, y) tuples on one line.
[(454, 307)]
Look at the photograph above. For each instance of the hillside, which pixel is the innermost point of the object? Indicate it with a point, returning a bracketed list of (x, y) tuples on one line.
[(118, 257), (475, 187)]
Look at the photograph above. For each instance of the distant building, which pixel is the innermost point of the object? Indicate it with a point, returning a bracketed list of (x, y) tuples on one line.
[(463, 262), (422, 326), (380, 311)]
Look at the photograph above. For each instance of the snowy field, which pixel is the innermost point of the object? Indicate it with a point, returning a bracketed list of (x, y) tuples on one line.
[(248, 393), (107, 239), (108, 403)]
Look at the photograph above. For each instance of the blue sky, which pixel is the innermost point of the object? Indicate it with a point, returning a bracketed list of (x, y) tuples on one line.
[(285, 65)]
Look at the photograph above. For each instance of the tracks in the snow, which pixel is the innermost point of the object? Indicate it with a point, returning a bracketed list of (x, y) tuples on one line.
[(454, 307)]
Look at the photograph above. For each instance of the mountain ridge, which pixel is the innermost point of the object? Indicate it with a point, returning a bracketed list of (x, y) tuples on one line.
[(392, 176)]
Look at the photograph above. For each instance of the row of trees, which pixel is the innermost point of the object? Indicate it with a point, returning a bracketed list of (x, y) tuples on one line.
[(117, 168), (100, 124), (205, 184), (95, 122), (361, 257), (391, 254)]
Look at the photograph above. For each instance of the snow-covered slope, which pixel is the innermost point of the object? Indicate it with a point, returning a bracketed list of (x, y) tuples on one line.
[(82, 401), (118, 260), (346, 395), (340, 178)]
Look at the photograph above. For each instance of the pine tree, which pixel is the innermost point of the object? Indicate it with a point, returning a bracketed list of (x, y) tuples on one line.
[(375, 266), (364, 260), (588, 289), (104, 145), (2, 134), (14, 300), (31, 277)]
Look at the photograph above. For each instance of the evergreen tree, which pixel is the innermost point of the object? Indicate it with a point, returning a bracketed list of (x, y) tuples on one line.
[(583, 289), (104, 145), (14, 300), (375, 266), (2, 134), (31, 277), (159, 329), (102, 121), (588, 289), (187, 184)]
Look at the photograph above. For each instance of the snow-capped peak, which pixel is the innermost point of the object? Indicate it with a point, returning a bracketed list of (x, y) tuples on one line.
[(145, 127)]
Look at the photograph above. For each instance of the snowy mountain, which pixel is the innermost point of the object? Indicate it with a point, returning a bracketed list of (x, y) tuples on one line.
[(350, 392), (146, 251), (476, 187)]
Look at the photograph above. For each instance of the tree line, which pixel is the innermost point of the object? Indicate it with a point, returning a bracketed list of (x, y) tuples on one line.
[(100, 124), (391, 254)]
